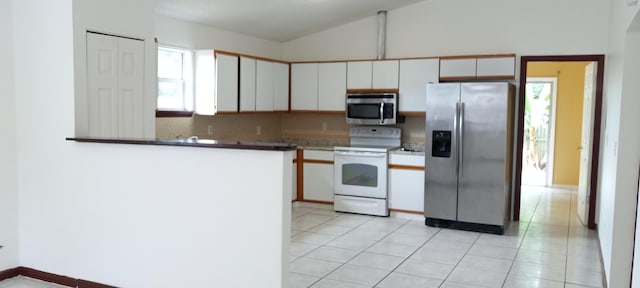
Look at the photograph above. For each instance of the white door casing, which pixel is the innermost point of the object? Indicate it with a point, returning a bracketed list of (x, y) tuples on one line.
[(585, 143)]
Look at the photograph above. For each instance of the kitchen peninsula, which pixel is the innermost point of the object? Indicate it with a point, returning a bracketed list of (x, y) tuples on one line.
[(218, 207)]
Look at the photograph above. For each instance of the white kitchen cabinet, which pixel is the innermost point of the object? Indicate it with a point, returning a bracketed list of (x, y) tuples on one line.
[(226, 83), (332, 86), (318, 175), (385, 74), (294, 179), (406, 182), (265, 85), (359, 74), (492, 67), (281, 86), (414, 76), (458, 68), (304, 86), (247, 84)]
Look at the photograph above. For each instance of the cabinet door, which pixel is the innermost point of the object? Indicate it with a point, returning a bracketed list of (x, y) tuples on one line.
[(496, 67), (359, 74), (406, 190), (247, 84), (464, 68), (226, 83), (385, 74), (332, 86), (414, 76), (281, 87), (318, 182), (304, 86), (265, 80), (294, 182)]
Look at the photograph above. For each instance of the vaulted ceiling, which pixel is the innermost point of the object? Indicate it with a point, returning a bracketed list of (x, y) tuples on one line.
[(278, 20)]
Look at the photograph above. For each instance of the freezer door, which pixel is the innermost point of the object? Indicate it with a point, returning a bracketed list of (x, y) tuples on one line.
[(441, 182), (483, 155)]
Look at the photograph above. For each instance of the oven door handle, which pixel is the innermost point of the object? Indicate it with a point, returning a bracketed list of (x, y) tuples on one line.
[(361, 154)]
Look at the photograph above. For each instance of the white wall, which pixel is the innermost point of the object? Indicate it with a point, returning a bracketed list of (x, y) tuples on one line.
[(442, 27), (197, 36), (134, 216), (620, 147), (123, 18), (8, 189)]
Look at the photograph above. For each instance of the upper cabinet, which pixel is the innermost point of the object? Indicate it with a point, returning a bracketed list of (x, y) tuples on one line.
[(414, 76), (489, 67), (381, 74), (280, 86), (247, 84), (265, 84), (318, 86), (226, 83)]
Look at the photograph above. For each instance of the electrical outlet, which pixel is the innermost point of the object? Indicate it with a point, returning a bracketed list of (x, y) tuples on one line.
[(324, 126), (258, 130), (210, 129)]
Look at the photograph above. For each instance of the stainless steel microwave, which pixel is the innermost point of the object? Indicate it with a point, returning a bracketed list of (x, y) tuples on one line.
[(372, 109)]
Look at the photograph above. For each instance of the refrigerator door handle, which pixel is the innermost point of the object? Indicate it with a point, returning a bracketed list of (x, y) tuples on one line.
[(461, 140), (456, 122)]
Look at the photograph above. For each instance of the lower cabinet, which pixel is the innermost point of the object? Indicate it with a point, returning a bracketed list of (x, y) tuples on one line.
[(294, 181), (406, 183), (318, 175)]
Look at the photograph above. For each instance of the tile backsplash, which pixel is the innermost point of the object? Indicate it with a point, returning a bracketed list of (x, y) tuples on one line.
[(317, 127)]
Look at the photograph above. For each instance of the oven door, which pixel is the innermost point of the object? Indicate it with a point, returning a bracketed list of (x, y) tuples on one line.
[(360, 173)]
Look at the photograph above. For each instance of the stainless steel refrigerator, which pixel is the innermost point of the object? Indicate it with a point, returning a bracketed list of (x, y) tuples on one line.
[(468, 151)]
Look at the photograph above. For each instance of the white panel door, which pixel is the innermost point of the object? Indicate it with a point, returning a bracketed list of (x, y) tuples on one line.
[(359, 74), (318, 182), (102, 86), (385, 74), (332, 86), (406, 190), (131, 88), (453, 68), (496, 66), (226, 83), (585, 143), (265, 80), (414, 76), (247, 84), (304, 86), (281, 87)]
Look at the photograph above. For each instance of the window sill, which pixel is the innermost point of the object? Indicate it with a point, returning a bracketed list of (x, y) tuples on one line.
[(171, 113)]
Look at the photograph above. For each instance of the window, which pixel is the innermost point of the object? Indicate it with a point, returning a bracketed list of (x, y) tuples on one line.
[(175, 80)]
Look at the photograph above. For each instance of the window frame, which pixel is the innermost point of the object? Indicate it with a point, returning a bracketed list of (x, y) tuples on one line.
[(188, 83)]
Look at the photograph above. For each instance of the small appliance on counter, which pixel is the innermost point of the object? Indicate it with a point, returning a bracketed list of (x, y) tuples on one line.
[(469, 129), (360, 170)]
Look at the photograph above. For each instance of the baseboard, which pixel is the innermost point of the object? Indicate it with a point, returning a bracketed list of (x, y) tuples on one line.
[(50, 277)]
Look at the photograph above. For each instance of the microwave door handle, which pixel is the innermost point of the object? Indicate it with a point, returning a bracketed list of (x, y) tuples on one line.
[(381, 113)]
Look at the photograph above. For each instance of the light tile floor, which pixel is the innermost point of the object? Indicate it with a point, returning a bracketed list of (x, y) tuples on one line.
[(549, 247)]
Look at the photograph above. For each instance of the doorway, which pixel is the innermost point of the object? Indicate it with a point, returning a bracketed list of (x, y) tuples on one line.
[(539, 131), (597, 103)]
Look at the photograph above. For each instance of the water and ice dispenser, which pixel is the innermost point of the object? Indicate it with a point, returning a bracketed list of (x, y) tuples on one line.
[(441, 145)]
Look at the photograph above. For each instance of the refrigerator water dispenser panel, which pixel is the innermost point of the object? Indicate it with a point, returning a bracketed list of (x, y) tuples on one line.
[(441, 145)]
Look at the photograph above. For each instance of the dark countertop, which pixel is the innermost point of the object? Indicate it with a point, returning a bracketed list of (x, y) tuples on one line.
[(203, 143)]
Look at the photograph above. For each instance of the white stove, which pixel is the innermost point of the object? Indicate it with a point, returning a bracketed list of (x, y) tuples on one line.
[(360, 170)]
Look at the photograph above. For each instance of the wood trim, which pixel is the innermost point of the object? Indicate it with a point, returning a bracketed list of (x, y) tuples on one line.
[(477, 56), (48, 277), (372, 91), (89, 284), (497, 77), (597, 122), (315, 161), (406, 167), (227, 113), (169, 113), (461, 78), (406, 211), (316, 201), (228, 53), (300, 175), (413, 113), (9, 273)]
